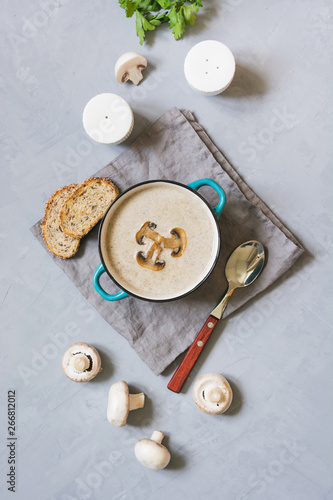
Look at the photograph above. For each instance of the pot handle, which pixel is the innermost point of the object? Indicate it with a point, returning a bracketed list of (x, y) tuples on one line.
[(209, 182), (107, 296)]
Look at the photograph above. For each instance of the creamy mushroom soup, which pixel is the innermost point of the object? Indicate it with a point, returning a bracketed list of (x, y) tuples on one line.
[(167, 206)]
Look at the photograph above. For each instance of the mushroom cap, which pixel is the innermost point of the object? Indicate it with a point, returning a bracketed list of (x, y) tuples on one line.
[(118, 404), (75, 360), (212, 393), (151, 454), (132, 59)]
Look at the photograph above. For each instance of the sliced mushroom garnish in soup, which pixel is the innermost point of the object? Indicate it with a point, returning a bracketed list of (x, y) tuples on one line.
[(147, 231), (151, 259), (178, 242)]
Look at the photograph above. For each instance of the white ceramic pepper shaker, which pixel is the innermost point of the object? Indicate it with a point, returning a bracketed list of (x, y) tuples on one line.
[(108, 119), (209, 67)]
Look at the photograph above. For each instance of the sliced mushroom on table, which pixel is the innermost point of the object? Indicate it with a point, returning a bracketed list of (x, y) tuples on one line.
[(81, 362), (121, 402), (212, 393), (151, 453), (129, 67)]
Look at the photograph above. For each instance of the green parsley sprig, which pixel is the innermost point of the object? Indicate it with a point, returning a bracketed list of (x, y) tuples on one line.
[(152, 13)]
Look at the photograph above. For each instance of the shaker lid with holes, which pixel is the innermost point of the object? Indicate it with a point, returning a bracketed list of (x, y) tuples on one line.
[(209, 67), (212, 393), (81, 362), (108, 119)]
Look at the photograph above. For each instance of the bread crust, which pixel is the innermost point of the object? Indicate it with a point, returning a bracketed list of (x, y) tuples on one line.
[(54, 237), (86, 205)]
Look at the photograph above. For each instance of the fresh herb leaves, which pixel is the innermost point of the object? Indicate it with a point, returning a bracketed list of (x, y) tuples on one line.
[(152, 13)]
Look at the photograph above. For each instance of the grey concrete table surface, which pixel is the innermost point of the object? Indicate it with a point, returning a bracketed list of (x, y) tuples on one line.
[(274, 125)]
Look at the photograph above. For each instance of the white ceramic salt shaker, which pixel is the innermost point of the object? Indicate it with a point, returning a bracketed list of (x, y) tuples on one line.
[(209, 67), (108, 119)]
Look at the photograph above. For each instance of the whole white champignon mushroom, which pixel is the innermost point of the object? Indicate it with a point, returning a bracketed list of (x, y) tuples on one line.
[(121, 402), (81, 362), (151, 453), (212, 393), (129, 67)]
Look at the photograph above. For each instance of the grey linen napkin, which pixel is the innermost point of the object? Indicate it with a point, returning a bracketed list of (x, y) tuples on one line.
[(176, 147)]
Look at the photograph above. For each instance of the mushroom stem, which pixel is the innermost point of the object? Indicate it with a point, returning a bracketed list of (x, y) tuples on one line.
[(136, 401), (81, 363), (153, 235), (170, 243), (135, 74), (215, 395), (157, 436)]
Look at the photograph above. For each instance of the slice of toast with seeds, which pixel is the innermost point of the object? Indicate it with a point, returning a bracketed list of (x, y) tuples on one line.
[(86, 205), (58, 242)]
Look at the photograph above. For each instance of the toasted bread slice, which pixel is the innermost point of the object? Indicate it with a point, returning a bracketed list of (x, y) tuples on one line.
[(87, 205), (58, 242)]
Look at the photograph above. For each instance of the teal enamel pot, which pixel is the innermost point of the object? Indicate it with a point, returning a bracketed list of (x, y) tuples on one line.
[(104, 267)]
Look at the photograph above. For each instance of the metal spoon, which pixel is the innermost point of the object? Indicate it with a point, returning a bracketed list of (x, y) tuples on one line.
[(242, 268)]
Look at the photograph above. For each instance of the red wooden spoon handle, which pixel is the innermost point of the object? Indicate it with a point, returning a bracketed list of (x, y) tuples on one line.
[(184, 369)]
